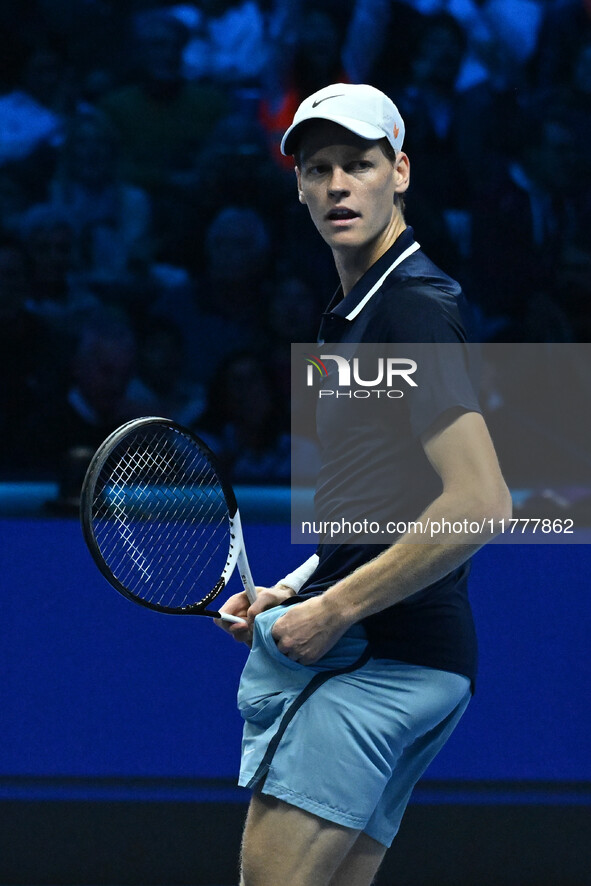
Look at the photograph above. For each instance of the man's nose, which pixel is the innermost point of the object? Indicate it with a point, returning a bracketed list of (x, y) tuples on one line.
[(338, 184)]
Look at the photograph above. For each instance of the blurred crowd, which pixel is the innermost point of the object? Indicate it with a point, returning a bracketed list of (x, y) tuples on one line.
[(154, 258)]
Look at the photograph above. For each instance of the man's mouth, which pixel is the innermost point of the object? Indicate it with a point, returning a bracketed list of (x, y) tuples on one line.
[(342, 213)]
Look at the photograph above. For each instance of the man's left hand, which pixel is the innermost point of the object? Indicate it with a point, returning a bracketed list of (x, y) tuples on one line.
[(307, 631)]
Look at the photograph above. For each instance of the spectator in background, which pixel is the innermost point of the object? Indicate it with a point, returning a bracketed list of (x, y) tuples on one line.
[(94, 401), (245, 422), (14, 281), (494, 83), (111, 217), (94, 35), (572, 99), (34, 354), (573, 282), (161, 380), (226, 309), (229, 41), (430, 98), (502, 40), (573, 272), (306, 56), (374, 51), (163, 121), (16, 195), (307, 53), (499, 39), (565, 25), (292, 316), (531, 209), (32, 114), (57, 296), (237, 267), (236, 170), (438, 201), (198, 167)]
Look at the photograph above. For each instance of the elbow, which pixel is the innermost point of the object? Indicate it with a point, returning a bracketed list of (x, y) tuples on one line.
[(496, 508), (502, 504), (488, 500)]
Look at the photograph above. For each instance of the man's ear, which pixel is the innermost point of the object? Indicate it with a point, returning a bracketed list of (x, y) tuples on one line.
[(301, 197), (402, 172)]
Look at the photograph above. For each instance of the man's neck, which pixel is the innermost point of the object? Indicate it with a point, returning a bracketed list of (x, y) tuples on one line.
[(351, 264)]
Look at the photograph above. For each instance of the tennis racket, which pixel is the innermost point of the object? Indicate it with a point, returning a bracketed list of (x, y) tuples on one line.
[(161, 522)]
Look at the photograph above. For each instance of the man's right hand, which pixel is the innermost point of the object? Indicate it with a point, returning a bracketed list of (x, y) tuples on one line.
[(240, 605)]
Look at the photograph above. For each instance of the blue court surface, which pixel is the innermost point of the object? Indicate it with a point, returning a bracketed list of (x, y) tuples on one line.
[(121, 736)]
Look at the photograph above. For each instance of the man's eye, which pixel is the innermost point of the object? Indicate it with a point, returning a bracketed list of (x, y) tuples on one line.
[(360, 164)]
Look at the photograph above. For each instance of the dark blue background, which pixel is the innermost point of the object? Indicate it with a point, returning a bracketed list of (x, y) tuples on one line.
[(93, 686)]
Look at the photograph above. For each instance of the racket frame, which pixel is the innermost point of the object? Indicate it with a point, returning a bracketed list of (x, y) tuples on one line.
[(236, 553)]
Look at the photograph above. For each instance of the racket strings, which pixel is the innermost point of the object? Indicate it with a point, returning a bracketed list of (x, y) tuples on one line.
[(160, 518)]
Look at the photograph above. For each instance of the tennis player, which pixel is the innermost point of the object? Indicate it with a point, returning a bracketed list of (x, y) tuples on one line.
[(348, 695)]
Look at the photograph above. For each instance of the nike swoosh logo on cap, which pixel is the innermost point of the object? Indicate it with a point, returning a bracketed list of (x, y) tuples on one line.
[(325, 99)]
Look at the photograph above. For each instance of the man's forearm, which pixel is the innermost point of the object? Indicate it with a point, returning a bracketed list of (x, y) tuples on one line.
[(413, 562)]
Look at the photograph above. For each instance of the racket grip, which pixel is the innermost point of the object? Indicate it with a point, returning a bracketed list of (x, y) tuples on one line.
[(235, 619), (246, 576)]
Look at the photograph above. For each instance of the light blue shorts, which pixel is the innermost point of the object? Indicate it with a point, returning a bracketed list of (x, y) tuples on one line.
[(348, 737)]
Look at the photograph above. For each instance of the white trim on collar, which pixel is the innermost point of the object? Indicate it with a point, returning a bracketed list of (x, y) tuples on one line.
[(409, 251)]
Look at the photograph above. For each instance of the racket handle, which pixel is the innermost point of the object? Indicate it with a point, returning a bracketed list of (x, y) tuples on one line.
[(235, 619), (246, 576)]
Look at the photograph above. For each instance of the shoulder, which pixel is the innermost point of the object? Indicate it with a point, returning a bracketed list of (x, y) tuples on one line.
[(422, 303), (420, 271)]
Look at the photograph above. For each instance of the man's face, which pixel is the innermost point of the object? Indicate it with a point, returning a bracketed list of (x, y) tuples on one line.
[(348, 184), (103, 372)]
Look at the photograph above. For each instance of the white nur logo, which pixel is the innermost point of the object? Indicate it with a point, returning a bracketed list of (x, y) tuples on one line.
[(389, 370)]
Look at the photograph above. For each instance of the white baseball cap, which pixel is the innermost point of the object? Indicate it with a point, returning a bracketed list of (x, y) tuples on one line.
[(362, 109)]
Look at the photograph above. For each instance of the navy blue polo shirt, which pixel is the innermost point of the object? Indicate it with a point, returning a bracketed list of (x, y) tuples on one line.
[(402, 298)]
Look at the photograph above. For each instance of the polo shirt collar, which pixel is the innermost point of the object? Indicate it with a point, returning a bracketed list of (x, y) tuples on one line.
[(349, 307)]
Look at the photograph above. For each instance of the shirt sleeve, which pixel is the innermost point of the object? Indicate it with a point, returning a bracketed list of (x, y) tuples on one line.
[(446, 381), (446, 373)]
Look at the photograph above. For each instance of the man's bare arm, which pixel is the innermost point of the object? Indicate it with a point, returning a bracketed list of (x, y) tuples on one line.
[(463, 455)]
